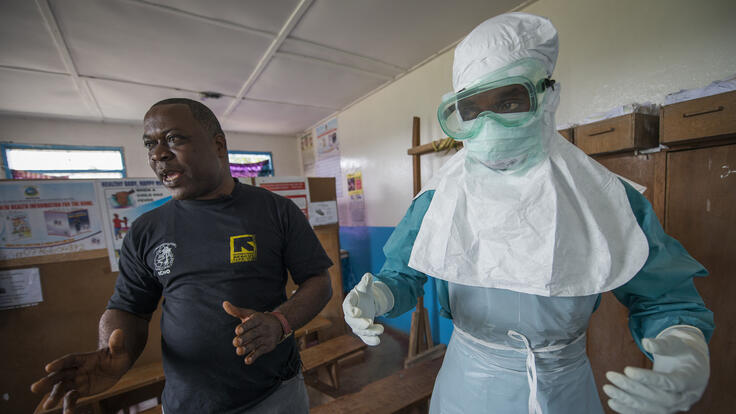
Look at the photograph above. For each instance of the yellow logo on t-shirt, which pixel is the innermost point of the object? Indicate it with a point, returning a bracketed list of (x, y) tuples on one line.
[(243, 248)]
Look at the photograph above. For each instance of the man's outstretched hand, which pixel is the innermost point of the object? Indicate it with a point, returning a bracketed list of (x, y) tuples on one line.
[(257, 334), (78, 375)]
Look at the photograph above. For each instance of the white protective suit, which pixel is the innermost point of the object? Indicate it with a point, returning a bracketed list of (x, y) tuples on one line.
[(526, 240)]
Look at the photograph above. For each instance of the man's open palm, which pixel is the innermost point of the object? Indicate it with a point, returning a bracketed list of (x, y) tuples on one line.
[(78, 375)]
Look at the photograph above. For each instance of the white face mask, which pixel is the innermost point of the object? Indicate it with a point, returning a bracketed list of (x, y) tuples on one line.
[(508, 149)]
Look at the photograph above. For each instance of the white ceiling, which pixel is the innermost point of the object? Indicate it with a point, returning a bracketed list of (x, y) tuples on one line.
[(280, 65)]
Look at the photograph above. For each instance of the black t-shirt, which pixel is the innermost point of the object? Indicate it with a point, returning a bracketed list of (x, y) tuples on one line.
[(199, 253)]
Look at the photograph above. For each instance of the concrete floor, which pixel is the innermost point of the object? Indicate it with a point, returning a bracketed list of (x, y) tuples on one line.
[(378, 362)]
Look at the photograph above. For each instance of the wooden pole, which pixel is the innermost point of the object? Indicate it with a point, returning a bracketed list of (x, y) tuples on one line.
[(416, 164), (417, 150), (420, 334)]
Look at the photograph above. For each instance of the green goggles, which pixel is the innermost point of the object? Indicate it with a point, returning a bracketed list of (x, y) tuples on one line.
[(509, 96)]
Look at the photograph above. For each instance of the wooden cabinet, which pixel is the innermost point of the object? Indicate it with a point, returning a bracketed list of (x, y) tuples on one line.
[(697, 209), (645, 169), (323, 189), (623, 133), (701, 214), (610, 344), (568, 134), (697, 119)]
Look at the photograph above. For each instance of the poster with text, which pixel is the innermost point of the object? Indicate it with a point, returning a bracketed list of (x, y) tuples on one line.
[(122, 201), (327, 143), (294, 188), (20, 288), (355, 182), (356, 197), (307, 145), (39, 218)]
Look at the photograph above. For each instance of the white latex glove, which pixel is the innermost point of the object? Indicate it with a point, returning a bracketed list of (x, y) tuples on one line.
[(677, 380), (366, 301)]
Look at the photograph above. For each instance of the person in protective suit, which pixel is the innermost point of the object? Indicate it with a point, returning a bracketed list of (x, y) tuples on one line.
[(523, 232)]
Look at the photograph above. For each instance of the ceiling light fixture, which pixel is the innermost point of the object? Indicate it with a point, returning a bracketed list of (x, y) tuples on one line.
[(204, 95)]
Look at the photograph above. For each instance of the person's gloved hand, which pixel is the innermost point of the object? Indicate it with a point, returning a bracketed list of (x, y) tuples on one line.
[(366, 301), (677, 380)]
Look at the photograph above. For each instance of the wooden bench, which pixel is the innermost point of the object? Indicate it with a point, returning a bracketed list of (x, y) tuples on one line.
[(314, 326), (134, 379), (155, 410), (399, 391), (326, 354)]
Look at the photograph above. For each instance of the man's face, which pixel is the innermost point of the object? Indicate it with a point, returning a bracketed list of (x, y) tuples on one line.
[(504, 100), (187, 160)]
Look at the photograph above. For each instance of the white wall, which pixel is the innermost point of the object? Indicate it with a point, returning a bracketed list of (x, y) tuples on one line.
[(617, 52), (31, 130), (611, 53)]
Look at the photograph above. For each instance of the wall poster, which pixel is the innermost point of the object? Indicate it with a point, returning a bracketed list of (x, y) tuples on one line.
[(39, 218), (122, 201), (294, 188), (327, 143), (307, 145), (356, 198)]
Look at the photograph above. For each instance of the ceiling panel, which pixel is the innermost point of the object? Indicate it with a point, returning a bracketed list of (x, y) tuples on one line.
[(302, 47), (294, 80), (119, 100), (40, 93), (273, 118), (402, 33), (24, 40), (257, 14), (135, 52), (145, 44)]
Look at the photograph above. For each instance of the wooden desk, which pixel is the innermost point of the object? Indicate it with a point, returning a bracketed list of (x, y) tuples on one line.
[(134, 379)]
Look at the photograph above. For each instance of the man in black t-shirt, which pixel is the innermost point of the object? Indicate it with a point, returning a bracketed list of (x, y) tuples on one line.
[(218, 253)]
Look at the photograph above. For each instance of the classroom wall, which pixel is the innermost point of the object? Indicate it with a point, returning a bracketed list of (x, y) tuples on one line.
[(611, 53), (31, 130)]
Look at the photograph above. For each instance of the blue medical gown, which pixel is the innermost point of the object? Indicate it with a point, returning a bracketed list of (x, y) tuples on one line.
[(487, 368)]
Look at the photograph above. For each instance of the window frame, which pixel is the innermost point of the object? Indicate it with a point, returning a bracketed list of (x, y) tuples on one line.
[(269, 153), (4, 146)]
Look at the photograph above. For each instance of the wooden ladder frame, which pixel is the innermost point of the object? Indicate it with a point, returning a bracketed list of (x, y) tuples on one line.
[(421, 345)]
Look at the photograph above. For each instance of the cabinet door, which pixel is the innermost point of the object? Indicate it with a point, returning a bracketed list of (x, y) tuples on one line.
[(701, 214), (610, 344)]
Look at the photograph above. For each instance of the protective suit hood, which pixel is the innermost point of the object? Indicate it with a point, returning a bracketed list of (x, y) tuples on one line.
[(501, 41), (560, 226)]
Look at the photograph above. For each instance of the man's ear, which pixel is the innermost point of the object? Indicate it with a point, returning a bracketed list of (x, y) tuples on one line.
[(221, 144)]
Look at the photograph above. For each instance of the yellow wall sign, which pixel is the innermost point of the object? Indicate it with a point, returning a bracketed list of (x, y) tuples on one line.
[(243, 248)]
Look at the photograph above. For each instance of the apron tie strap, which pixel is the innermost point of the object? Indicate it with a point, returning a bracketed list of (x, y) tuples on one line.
[(531, 372)]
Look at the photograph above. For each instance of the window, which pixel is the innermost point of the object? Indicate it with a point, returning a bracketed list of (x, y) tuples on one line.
[(23, 161), (250, 164)]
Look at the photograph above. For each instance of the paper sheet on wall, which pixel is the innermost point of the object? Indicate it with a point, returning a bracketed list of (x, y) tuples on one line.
[(328, 155), (39, 218), (328, 145), (294, 188), (322, 213), (19, 288), (356, 203), (307, 145), (715, 88), (122, 202)]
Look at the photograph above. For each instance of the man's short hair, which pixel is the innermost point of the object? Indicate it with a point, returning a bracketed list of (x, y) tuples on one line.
[(200, 111)]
